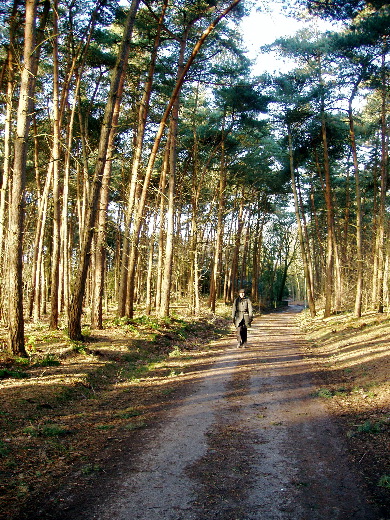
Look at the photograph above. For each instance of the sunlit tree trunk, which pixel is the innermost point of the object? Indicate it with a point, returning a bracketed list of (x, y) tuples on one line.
[(167, 275), (155, 148), (330, 225), (162, 230), (359, 241), (149, 275), (100, 248), (304, 246), (56, 177), (37, 269), (76, 305), (374, 285), (215, 274), (383, 189), (16, 213), (194, 277), (236, 252), (9, 70), (141, 126), (256, 253)]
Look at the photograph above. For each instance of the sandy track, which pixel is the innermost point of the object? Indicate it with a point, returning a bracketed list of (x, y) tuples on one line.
[(250, 442)]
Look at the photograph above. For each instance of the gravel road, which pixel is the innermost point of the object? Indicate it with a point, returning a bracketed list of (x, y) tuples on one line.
[(250, 442)]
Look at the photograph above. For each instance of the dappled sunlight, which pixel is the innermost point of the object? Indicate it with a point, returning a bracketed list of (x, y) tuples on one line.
[(354, 344), (65, 374), (275, 390)]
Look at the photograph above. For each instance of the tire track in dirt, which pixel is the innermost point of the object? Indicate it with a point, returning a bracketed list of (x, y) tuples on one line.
[(301, 470), (251, 442)]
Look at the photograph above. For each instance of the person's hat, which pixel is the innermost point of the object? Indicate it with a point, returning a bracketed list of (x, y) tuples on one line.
[(241, 290)]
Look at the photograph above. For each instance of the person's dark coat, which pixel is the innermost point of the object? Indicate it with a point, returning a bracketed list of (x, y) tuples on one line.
[(242, 310)]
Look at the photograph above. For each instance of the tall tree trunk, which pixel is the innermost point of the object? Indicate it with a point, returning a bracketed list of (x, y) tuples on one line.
[(236, 252), (60, 258), (141, 126), (59, 282), (306, 237), (167, 276), (197, 182), (215, 273), (38, 246), (100, 246), (359, 218), (16, 213), (330, 223), (304, 246), (162, 231), (9, 69), (100, 249), (156, 144), (194, 276), (256, 254), (60, 246), (56, 180), (374, 288), (149, 276), (76, 305), (383, 188)]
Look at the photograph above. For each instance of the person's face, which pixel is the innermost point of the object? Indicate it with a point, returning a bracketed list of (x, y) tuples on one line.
[(242, 294)]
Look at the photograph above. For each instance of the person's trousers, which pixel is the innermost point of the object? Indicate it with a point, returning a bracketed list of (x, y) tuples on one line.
[(242, 333)]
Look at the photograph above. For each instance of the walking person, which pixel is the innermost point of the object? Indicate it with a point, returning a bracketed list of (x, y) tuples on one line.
[(242, 315)]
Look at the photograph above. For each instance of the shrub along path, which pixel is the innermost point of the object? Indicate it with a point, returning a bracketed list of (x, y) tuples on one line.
[(266, 432)]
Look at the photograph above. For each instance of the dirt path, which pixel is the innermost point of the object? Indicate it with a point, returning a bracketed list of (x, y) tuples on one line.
[(250, 442)]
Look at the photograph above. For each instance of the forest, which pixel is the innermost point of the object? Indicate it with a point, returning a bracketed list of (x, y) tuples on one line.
[(144, 166)]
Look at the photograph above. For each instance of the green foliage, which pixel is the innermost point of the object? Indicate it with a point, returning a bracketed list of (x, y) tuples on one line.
[(105, 427), (91, 469), (384, 481), (176, 352), (341, 9), (135, 425), (21, 361), (48, 361), (328, 393), (324, 392), (4, 449), (370, 427), (15, 374), (78, 346), (128, 413), (48, 430)]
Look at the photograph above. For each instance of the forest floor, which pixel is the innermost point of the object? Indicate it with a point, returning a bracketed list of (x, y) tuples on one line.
[(168, 420)]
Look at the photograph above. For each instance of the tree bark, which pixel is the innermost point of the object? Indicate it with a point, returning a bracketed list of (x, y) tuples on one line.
[(100, 249), (383, 189), (167, 273), (76, 305), (56, 182), (9, 66), (156, 144), (236, 252), (167, 276), (141, 126), (215, 274), (330, 224), (162, 231), (359, 217), (306, 267), (16, 213)]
